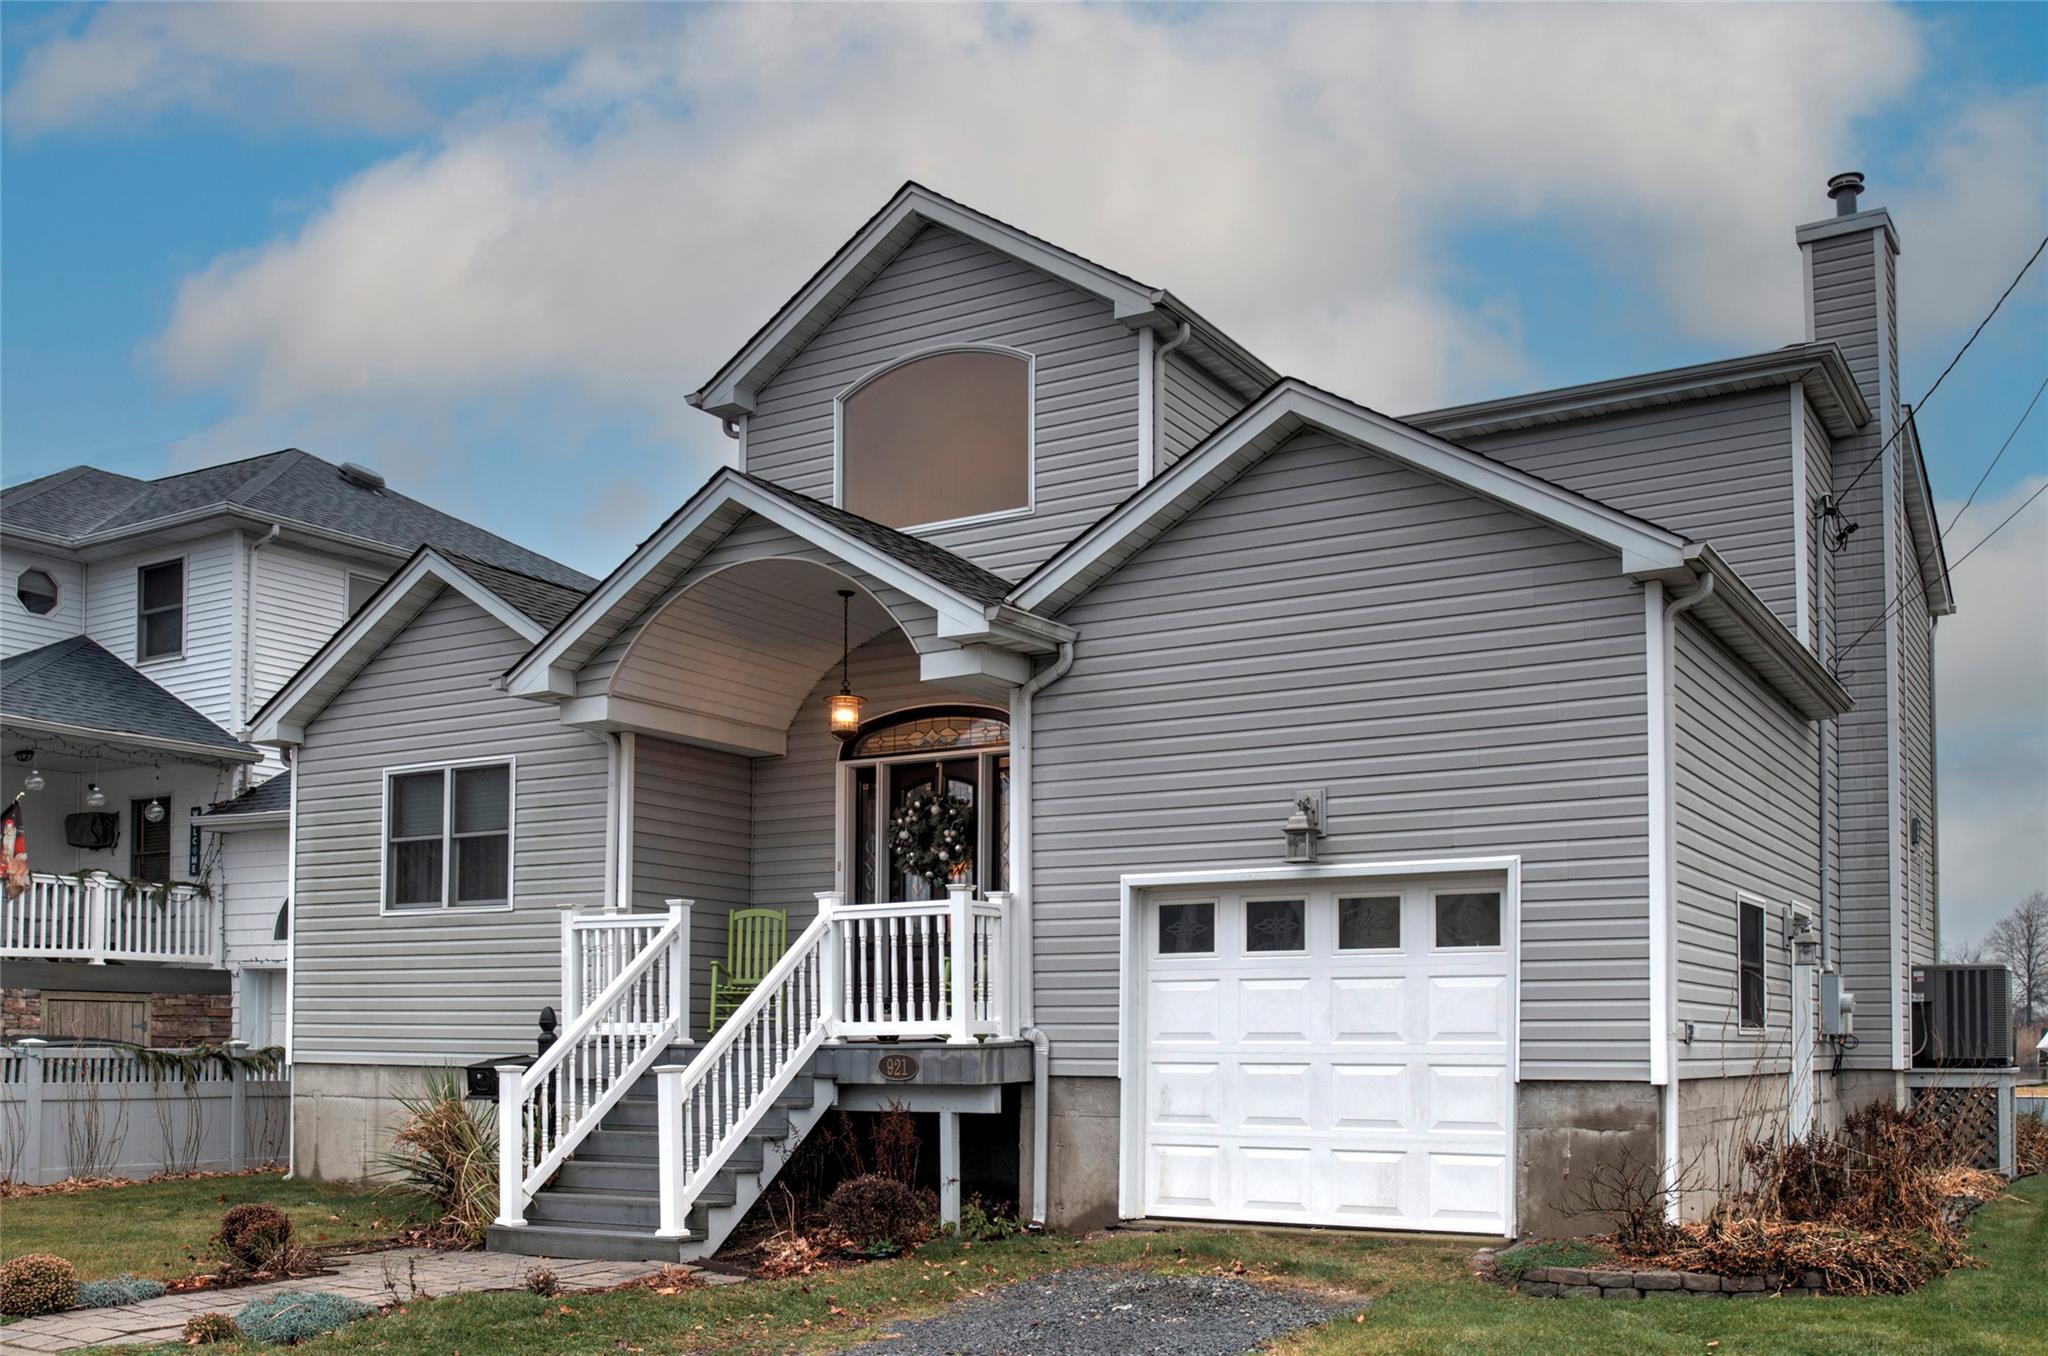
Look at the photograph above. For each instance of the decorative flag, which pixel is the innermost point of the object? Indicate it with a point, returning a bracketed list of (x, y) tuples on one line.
[(14, 851)]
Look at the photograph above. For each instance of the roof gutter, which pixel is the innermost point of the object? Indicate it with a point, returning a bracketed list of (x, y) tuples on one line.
[(206, 753)]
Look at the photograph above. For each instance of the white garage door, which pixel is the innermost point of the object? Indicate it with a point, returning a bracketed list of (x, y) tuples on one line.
[(1330, 1055)]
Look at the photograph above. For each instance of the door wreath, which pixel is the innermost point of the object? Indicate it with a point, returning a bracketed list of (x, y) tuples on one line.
[(932, 836)]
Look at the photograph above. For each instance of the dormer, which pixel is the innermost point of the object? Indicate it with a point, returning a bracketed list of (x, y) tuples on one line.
[(949, 375)]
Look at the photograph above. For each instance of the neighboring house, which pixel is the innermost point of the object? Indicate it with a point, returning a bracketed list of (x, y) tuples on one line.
[(1372, 822), (149, 619)]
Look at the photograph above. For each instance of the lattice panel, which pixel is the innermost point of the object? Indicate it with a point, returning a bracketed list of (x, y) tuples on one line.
[(1969, 1115)]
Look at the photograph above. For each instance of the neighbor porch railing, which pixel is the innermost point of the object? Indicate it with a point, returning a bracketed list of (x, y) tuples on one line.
[(637, 1008), (95, 917), (931, 969)]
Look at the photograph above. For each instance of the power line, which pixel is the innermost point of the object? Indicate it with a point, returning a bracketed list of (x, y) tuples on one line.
[(1995, 460), (1951, 365), (1905, 598)]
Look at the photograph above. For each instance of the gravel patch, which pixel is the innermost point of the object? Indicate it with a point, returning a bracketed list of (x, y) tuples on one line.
[(1107, 1311)]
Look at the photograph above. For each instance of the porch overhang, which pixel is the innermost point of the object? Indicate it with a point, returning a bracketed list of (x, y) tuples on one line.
[(745, 553)]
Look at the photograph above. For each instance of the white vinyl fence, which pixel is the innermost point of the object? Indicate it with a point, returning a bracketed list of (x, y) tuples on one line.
[(98, 1111)]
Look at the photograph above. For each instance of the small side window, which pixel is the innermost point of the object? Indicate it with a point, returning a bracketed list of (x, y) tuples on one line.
[(37, 592), (160, 610), (1750, 927), (1187, 929)]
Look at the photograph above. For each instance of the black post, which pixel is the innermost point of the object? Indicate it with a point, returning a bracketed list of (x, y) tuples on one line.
[(547, 1031)]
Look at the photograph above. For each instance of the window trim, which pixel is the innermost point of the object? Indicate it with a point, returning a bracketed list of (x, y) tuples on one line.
[(1030, 361), (447, 906), (56, 589), (1762, 1026), (184, 564), (988, 759), (138, 824)]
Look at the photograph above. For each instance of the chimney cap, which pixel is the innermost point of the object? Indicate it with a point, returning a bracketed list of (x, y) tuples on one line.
[(1844, 189)]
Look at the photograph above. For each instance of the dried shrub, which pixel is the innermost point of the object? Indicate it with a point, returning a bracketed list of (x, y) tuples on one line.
[(205, 1329), (1629, 1194), (896, 1145), (37, 1283), (2030, 1144), (540, 1281), (255, 1237), (448, 1154), (873, 1212), (120, 1290), (294, 1315)]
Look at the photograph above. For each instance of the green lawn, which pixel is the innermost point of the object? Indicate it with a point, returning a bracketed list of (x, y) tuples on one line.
[(1422, 1301), (160, 1229)]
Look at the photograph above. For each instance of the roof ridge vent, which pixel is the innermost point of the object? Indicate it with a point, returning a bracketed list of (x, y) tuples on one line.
[(358, 474)]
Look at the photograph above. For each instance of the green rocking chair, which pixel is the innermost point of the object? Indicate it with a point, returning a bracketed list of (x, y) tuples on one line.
[(754, 941)]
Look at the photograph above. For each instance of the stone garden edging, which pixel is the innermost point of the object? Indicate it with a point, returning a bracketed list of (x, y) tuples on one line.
[(1595, 1283)]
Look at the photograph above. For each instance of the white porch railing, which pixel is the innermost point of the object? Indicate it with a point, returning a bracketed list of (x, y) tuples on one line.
[(933, 969), (95, 917), (545, 1110)]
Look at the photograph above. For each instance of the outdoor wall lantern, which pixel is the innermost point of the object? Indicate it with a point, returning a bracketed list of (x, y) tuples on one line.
[(842, 708), (1301, 830)]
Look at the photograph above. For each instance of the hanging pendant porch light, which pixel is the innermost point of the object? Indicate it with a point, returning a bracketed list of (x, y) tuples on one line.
[(34, 781), (94, 797), (154, 811), (842, 708)]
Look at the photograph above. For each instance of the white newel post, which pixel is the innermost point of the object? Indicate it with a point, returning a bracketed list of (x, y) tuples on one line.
[(669, 1140), (572, 977), (831, 965), (511, 1141), (960, 920), (1002, 985), (97, 915), (679, 966)]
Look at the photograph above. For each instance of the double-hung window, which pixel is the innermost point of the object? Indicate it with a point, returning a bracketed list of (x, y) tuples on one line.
[(448, 837), (1750, 941), (160, 610)]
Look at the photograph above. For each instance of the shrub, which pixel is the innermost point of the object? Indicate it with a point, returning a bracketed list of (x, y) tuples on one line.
[(876, 1211), (295, 1315), (2030, 1144), (979, 1224), (203, 1329), (120, 1290), (540, 1281), (254, 1236), (1519, 1261), (444, 1152), (37, 1283)]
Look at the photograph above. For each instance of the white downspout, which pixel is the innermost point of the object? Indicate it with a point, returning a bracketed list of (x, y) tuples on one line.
[(245, 699), (1664, 958), (1023, 748), (1158, 411), (291, 960)]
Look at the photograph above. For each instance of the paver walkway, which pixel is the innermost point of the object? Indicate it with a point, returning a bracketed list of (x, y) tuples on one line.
[(369, 1277)]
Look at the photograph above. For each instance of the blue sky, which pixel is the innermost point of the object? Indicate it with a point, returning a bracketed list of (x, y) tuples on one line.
[(488, 250)]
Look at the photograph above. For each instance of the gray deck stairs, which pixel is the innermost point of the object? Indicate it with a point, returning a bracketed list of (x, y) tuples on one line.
[(606, 1200)]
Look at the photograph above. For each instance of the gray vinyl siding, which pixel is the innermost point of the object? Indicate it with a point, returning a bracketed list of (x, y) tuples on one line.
[(795, 843), (1717, 470), (1192, 405), (1850, 310), (1817, 486), (299, 599), (944, 288), (252, 867), (448, 985), (692, 839), (1746, 821), (1462, 679)]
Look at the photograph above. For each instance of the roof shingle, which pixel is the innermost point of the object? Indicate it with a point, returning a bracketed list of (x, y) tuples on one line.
[(77, 682)]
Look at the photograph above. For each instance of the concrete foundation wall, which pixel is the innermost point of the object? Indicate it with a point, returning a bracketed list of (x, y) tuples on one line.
[(343, 1116), (1565, 1134), (1082, 1131), (1717, 1116)]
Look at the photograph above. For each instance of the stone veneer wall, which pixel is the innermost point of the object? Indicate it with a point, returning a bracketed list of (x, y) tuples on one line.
[(175, 1019)]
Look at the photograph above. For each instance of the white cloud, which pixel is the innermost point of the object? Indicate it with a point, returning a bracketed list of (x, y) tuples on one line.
[(1296, 173), (1991, 699)]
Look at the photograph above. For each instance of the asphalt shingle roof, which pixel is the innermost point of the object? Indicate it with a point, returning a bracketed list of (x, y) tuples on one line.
[(546, 603), (290, 485), (264, 798), (78, 682), (934, 562)]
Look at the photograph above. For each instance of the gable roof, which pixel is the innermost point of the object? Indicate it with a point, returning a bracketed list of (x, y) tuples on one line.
[(77, 687), (730, 391), (521, 603), (85, 507), (1937, 590), (1819, 367), (1646, 550), (969, 601)]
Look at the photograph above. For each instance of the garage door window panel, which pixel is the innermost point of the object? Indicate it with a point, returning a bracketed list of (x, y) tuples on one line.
[(1187, 929), (1370, 923), (1275, 925), (1467, 919)]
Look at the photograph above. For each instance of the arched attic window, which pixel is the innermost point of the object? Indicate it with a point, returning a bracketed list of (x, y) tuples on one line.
[(938, 438)]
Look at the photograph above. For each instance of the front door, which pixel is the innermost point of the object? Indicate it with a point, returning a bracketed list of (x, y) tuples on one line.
[(963, 751)]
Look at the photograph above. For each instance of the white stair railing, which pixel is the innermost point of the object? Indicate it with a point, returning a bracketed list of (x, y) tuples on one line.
[(545, 1110), (709, 1106)]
